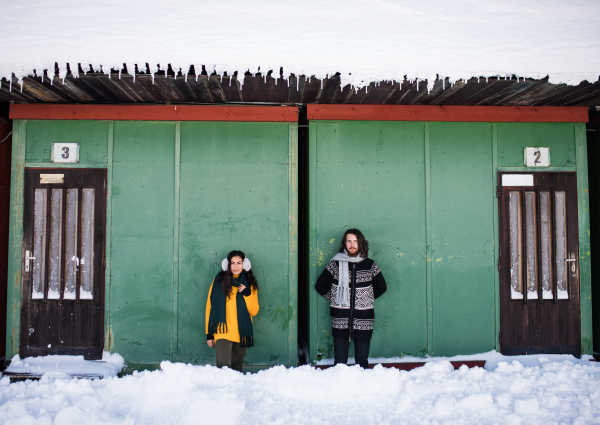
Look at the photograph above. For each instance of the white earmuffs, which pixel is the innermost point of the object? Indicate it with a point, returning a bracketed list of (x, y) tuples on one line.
[(247, 265)]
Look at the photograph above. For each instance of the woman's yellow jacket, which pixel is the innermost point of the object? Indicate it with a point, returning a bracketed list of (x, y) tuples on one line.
[(233, 334)]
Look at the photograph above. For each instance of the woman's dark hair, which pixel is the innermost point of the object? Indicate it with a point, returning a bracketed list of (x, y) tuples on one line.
[(363, 245), (227, 276)]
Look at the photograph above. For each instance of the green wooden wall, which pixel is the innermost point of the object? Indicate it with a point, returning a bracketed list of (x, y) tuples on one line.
[(182, 194), (424, 194), (180, 197)]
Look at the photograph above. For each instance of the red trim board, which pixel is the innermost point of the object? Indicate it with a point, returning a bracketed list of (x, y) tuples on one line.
[(449, 113), (154, 112)]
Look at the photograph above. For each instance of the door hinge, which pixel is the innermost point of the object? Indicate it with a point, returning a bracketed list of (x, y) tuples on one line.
[(498, 193)]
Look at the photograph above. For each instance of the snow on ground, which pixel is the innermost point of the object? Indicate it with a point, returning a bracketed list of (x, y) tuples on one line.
[(531, 390), (364, 40), (109, 366)]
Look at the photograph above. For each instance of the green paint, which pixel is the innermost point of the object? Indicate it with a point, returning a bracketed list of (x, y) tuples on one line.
[(142, 241), (91, 136), (237, 182), (438, 208), (176, 247), (381, 165), (108, 337), (496, 233), (15, 238), (428, 252), (585, 267), (513, 138), (292, 335), (462, 217)]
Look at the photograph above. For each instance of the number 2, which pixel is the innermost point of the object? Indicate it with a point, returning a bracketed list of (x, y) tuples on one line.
[(537, 157), (65, 153)]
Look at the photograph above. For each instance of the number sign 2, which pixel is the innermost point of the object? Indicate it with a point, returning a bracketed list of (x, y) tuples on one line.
[(65, 152), (537, 157)]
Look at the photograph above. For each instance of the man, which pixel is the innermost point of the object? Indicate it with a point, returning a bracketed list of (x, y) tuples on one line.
[(350, 282)]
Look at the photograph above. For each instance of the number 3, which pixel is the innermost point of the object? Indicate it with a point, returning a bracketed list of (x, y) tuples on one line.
[(65, 153)]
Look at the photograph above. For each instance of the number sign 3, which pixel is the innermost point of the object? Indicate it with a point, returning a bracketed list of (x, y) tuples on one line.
[(65, 152), (537, 157)]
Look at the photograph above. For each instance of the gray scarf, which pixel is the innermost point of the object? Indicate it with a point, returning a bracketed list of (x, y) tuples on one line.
[(342, 297)]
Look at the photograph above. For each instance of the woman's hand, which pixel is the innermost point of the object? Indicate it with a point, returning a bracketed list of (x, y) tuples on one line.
[(241, 288), (211, 343)]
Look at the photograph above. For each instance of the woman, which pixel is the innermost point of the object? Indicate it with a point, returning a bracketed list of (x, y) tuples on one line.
[(232, 301)]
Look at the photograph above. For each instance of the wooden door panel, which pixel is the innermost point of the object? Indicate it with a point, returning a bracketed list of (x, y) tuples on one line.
[(58, 324), (538, 325)]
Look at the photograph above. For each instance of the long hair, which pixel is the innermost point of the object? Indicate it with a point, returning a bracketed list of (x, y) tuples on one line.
[(363, 245), (227, 276)]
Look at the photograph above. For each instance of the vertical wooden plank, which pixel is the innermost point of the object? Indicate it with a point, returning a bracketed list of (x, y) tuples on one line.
[(585, 271), (15, 238), (108, 240), (313, 259), (176, 223), (293, 246), (497, 251), (428, 244), (462, 237)]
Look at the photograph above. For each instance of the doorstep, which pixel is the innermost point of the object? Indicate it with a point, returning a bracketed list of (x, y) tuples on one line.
[(23, 376)]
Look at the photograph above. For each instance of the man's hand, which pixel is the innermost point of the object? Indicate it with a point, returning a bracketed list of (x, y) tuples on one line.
[(211, 343)]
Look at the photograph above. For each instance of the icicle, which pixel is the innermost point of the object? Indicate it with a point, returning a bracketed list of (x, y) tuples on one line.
[(478, 80), (21, 84), (230, 79), (443, 84), (322, 83), (63, 80), (297, 83), (196, 77), (152, 78), (119, 74), (417, 83), (185, 78), (42, 78)]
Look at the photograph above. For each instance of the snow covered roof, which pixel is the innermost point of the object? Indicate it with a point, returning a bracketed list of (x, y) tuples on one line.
[(353, 44)]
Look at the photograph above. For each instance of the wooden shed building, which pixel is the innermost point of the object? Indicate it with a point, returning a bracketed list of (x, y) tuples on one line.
[(128, 190)]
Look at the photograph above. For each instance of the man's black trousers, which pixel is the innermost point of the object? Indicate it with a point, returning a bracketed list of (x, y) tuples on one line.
[(341, 347)]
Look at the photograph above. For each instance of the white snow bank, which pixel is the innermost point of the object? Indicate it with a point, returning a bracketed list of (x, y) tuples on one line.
[(363, 40), (492, 359), (109, 366), (549, 392)]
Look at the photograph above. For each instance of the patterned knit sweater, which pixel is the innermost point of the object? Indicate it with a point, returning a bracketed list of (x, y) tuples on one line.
[(366, 284)]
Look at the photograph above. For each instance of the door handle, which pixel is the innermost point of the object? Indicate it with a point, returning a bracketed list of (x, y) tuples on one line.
[(27, 258), (572, 260)]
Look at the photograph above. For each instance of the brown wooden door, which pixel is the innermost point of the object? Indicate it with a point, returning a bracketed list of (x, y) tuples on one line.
[(63, 284), (539, 267)]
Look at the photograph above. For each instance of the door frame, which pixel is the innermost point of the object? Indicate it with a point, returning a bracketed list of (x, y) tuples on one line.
[(51, 311), (555, 344)]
